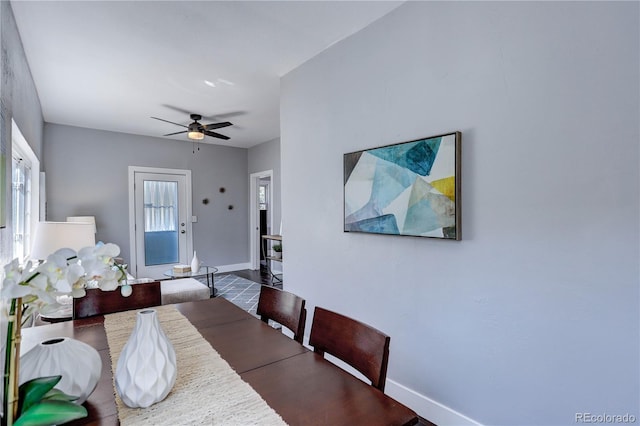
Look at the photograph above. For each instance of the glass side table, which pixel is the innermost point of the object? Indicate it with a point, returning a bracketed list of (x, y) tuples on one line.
[(204, 271)]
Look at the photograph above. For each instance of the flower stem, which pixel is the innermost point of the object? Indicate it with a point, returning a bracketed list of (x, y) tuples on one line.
[(12, 363)]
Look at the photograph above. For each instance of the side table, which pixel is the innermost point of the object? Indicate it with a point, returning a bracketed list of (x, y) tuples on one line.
[(63, 313), (269, 259)]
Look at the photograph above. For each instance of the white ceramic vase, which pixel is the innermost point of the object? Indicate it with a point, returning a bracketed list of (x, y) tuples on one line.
[(195, 263), (78, 363), (146, 370)]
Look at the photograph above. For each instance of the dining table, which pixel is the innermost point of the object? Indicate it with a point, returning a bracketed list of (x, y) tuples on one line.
[(302, 387)]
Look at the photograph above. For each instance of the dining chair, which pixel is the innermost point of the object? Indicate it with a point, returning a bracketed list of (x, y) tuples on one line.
[(361, 346), (99, 302), (284, 308)]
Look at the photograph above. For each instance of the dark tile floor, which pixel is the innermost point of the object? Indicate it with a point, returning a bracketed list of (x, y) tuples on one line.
[(238, 290), (262, 276)]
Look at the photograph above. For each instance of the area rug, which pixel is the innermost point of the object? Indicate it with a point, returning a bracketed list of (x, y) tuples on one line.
[(240, 291), (203, 376)]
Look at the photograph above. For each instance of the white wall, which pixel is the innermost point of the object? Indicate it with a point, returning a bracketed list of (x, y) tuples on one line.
[(533, 316), (263, 157), (87, 173)]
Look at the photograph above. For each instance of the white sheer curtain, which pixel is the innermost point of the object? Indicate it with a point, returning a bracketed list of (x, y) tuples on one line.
[(160, 205)]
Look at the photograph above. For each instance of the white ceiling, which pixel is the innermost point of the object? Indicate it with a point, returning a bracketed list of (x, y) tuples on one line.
[(112, 65)]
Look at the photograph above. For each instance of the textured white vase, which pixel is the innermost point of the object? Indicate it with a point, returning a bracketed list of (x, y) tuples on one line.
[(78, 363), (146, 370), (195, 263)]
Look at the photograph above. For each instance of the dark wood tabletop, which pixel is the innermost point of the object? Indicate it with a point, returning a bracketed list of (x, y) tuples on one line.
[(301, 386)]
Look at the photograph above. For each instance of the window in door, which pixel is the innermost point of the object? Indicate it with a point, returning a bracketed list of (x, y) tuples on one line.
[(160, 222), (263, 197)]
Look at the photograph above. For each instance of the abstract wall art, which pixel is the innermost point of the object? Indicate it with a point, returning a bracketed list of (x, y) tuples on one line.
[(409, 188)]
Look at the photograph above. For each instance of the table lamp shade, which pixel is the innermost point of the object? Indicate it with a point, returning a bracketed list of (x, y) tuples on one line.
[(84, 219), (52, 236)]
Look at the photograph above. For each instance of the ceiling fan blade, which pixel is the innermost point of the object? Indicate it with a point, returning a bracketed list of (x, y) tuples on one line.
[(223, 116), (215, 135), (167, 121), (216, 125), (176, 133), (178, 109)]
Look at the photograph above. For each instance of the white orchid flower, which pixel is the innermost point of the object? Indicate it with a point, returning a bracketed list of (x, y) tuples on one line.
[(74, 274), (13, 285), (102, 253), (39, 297), (38, 281), (110, 280), (79, 286), (69, 254), (46, 307), (109, 250), (60, 275), (99, 266), (78, 292), (65, 272), (97, 260), (54, 267)]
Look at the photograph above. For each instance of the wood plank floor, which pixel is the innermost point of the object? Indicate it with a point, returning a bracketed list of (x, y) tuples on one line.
[(264, 277)]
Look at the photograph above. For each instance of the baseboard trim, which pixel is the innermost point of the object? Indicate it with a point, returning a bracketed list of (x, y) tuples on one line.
[(426, 407), (231, 268)]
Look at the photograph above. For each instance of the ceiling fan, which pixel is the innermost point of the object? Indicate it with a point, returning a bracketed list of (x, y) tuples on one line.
[(196, 130)]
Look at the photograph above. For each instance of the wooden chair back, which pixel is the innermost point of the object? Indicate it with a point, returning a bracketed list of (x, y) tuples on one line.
[(284, 308), (98, 302), (359, 345)]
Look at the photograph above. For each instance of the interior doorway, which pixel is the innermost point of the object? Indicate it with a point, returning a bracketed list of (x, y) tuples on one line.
[(261, 214)]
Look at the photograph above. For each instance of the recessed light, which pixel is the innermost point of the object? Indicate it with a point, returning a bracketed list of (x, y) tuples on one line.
[(227, 82), (218, 82)]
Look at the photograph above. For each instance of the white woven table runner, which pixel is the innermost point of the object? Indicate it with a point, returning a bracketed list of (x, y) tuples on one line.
[(207, 390)]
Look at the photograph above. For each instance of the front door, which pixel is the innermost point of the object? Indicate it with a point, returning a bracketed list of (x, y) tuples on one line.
[(162, 227)]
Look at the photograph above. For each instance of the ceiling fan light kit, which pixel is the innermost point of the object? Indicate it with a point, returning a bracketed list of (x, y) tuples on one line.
[(194, 132), (195, 136)]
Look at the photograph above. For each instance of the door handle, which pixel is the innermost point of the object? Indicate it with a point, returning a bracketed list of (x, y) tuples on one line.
[(183, 231)]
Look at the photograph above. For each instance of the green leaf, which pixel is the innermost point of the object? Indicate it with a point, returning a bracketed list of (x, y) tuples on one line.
[(51, 413), (32, 391), (57, 395)]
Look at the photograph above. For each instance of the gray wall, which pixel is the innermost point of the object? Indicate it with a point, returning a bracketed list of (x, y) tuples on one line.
[(18, 100), (263, 157), (87, 174), (533, 316)]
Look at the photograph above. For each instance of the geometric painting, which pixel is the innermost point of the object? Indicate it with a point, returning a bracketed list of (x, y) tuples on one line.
[(409, 188)]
